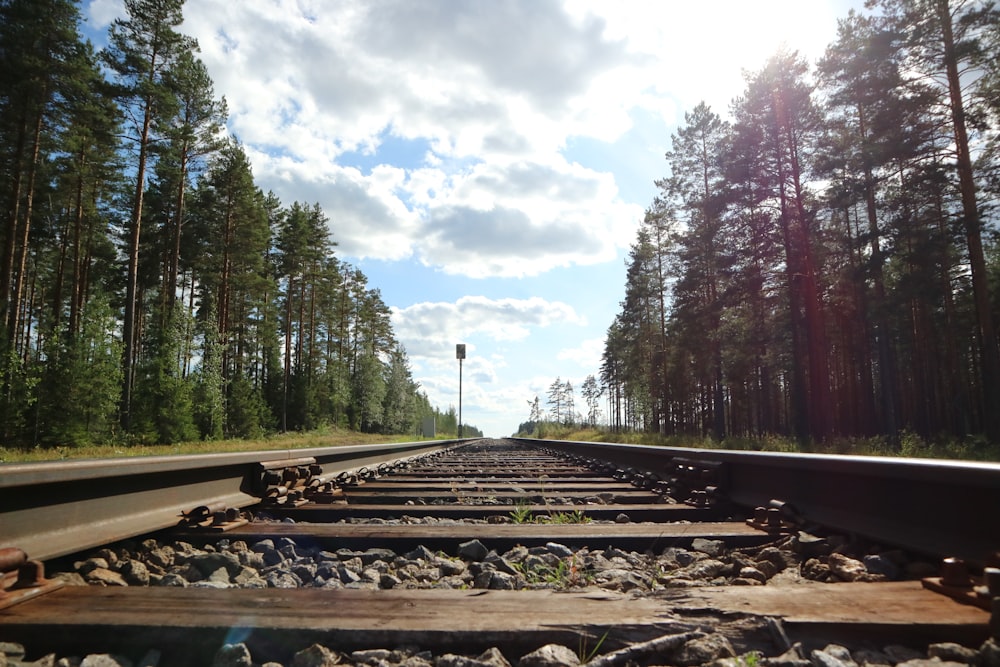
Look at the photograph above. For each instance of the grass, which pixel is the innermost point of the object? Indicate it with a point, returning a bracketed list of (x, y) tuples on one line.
[(909, 445), (327, 437), (563, 575)]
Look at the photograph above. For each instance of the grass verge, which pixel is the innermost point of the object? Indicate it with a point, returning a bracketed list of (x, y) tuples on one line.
[(318, 438)]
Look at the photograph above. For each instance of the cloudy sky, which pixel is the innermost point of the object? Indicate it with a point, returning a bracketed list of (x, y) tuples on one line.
[(484, 162)]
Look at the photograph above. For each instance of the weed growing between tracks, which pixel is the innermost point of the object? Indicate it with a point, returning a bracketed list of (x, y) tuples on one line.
[(523, 514), (566, 573)]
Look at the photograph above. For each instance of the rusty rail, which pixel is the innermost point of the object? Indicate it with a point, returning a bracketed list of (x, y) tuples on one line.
[(937, 507), (56, 508)]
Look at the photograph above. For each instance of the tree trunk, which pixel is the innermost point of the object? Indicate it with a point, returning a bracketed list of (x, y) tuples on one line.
[(990, 371)]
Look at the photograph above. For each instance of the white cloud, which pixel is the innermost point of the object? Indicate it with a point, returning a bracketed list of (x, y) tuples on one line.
[(432, 329), (100, 13), (587, 354), (495, 89)]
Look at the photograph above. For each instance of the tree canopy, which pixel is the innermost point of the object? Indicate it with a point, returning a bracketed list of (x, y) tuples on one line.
[(823, 261), (149, 290)]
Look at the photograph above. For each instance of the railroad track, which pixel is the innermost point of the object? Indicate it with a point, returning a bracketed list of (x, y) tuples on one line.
[(677, 556)]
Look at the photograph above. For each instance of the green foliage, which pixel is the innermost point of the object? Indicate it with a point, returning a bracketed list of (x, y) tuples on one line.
[(78, 396), (164, 402), (564, 574)]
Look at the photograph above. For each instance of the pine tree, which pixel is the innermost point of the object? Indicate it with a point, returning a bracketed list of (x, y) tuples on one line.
[(142, 49)]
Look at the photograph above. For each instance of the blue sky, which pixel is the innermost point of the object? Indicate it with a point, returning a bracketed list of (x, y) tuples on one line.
[(484, 162)]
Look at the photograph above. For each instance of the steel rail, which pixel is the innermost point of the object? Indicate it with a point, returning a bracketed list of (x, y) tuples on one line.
[(56, 508), (936, 507)]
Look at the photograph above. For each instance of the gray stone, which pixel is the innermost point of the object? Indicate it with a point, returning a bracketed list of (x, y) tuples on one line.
[(791, 658), (282, 580), (753, 574), (780, 559), (559, 550), (69, 579), (484, 579), (105, 660), (162, 557), (188, 571), (452, 660), (517, 554), (450, 568), (306, 572), (249, 578), (387, 581), (714, 548), (840, 653), (347, 575), (870, 658), (550, 655), (316, 655), (704, 569), (209, 563), (623, 518), (897, 653), (816, 570), (105, 577), (91, 564), (951, 652), (473, 550), (173, 580), (493, 658), (372, 555), (135, 573), (744, 581), (220, 576), (12, 651), (232, 655), (931, 662), (372, 656), (846, 568), (420, 553), (877, 564), (502, 581), (704, 649), (251, 559), (824, 659), (989, 653), (262, 545)]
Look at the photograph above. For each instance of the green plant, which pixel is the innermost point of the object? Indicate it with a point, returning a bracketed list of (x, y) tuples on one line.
[(585, 654), (522, 512), (566, 573), (576, 516)]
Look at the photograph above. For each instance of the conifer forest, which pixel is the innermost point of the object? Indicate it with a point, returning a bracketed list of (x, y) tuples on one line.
[(149, 290), (821, 259)]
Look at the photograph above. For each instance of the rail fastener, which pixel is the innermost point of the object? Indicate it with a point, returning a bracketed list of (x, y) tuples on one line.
[(957, 582), (214, 518), (22, 578)]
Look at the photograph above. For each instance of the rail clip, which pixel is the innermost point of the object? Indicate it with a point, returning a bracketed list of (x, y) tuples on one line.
[(778, 518), (957, 583), (286, 483), (697, 483), (213, 518), (21, 578)]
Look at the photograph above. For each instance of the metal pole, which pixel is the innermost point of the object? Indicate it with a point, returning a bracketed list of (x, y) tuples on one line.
[(460, 355)]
